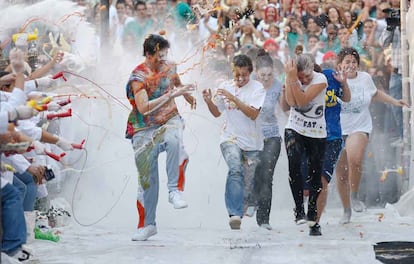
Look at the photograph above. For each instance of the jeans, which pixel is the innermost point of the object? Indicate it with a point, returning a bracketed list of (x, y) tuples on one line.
[(263, 179), (333, 150), (239, 184), (147, 145), (393, 117), (30, 189), (13, 221), (20, 186)]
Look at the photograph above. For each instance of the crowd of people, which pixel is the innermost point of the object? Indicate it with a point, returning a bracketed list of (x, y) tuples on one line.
[(324, 53), (322, 62)]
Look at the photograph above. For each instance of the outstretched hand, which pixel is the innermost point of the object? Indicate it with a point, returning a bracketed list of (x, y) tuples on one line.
[(402, 103), (207, 96), (64, 144), (226, 94), (21, 112), (341, 76), (182, 90), (39, 148)]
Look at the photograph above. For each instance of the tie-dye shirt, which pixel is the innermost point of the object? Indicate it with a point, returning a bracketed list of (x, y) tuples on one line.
[(155, 84)]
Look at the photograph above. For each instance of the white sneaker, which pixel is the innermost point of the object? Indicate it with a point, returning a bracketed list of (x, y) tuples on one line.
[(144, 233), (175, 198), (251, 209), (25, 255), (235, 222), (6, 259), (266, 226)]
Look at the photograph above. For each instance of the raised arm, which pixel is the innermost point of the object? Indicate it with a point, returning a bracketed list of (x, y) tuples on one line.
[(57, 57), (294, 94), (187, 96), (341, 77)]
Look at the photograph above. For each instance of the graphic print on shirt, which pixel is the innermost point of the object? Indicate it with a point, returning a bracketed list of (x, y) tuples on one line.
[(309, 120), (356, 105), (312, 110), (331, 99)]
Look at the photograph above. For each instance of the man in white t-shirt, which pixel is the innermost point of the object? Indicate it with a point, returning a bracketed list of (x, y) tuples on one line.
[(240, 100)]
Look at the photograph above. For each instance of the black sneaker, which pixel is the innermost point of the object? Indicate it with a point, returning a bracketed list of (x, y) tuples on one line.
[(315, 230), (300, 217)]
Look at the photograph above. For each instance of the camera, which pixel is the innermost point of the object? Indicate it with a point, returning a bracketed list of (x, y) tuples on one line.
[(49, 174), (393, 17)]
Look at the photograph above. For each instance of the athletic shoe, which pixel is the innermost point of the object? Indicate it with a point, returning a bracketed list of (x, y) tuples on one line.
[(266, 226), (175, 198), (6, 259), (25, 255), (357, 205), (251, 209), (235, 222), (300, 217), (315, 230), (144, 233)]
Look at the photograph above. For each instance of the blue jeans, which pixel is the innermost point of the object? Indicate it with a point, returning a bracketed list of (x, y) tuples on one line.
[(393, 120), (147, 145), (30, 189), (239, 184), (20, 186), (13, 222)]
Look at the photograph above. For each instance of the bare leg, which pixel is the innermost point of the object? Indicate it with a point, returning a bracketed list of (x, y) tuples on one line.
[(343, 180), (322, 198), (343, 186), (355, 145)]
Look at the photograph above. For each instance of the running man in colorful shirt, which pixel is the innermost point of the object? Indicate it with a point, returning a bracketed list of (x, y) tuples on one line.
[(154, 125)]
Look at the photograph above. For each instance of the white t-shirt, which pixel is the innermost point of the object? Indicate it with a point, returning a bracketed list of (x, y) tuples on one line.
[(309, 120), (355, 115), (4, 121), (238, 127)]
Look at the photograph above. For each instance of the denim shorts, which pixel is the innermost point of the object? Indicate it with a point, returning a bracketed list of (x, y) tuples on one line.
[(332, 151)]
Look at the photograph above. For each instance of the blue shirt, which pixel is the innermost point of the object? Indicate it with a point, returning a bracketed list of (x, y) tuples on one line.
[(332, 106)]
